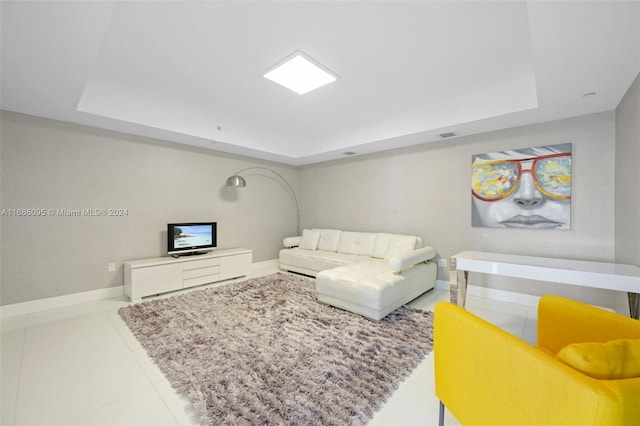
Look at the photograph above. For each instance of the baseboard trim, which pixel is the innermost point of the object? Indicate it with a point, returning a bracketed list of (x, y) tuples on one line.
[(503, 295), (32, 306), (258, 268), (39, 305), (494, 294), (266, 266), (442, 285)]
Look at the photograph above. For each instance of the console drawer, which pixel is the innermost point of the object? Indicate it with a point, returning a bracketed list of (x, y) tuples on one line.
[(204, 263), (202, 272), (201, 280)]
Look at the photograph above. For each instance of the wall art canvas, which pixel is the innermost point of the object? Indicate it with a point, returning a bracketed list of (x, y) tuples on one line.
[(523, 188)]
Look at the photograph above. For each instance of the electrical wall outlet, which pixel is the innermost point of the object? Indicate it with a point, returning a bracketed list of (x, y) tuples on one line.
[(111, 267), (443, 263)]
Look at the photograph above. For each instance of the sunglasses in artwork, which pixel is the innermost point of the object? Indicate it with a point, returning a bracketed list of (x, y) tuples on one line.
[(497, 179)]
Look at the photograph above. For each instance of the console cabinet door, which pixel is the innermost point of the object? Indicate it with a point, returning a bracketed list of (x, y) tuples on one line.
[(156, 279), (235, 266)]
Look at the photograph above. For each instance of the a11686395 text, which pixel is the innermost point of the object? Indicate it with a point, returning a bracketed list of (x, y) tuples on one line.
[(65, 212)]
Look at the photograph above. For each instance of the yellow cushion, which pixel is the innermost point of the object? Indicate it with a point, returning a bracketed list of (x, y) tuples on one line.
[(616, 359)]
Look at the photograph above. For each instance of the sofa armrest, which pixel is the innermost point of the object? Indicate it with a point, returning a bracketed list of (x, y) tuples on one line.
[(564, 321), (485, 375), (410, 258), (291, 242)]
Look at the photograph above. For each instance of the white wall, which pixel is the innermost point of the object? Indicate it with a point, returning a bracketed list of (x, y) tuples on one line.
[(422, 190), (51, 164), (425, 190), (628, 177)]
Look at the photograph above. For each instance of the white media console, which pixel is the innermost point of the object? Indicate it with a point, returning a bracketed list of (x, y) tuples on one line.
[(146, 277)]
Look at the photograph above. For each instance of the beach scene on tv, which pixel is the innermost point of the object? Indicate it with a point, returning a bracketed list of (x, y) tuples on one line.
[(192, 235)]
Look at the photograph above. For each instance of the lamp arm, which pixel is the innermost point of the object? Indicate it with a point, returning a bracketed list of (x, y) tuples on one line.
[(293, 194)]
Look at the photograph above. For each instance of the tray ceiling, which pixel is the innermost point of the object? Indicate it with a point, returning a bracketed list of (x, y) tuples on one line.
[(192, 72)]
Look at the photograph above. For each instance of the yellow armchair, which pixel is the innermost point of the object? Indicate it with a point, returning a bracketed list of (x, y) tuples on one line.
[(486, 376)]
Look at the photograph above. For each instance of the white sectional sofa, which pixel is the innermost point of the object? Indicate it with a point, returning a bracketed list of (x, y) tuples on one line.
[(371, 274)]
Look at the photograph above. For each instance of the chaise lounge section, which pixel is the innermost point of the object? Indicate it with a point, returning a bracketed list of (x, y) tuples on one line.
[(370, 274)]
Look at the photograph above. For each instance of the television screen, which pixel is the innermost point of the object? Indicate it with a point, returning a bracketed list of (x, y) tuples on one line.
[(190, 238)]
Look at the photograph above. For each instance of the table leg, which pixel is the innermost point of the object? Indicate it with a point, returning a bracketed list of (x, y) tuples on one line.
[(453, 281), (634, 305), (459, 282), (462, 289)]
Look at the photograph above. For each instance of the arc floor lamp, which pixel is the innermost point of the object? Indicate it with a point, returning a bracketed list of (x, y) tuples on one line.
[(237, 181)]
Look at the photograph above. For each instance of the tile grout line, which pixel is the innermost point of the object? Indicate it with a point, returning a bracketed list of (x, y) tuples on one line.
[(43, 347), (155, 388), (138, 362), (19, 385), (108, 404)]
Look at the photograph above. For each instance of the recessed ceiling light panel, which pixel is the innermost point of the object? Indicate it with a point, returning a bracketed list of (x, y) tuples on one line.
[(300, 73)]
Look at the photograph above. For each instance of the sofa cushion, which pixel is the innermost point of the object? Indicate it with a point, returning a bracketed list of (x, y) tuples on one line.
[(299, 258), (317, 260), (328, 239), (399, 244), (616, 359), (360, 243), (381, 246), (329, 259), (310, 239)]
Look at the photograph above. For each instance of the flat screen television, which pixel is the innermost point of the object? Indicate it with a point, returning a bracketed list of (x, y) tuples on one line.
[(191, 238)]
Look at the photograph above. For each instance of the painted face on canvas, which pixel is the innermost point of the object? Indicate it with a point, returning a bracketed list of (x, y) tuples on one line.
[(528, 188)]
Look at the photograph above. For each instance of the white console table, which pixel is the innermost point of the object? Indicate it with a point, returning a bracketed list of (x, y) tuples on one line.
[(610, 276), (157, 275)]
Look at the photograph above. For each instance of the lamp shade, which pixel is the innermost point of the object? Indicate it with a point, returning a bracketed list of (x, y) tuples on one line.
[(237, 181)]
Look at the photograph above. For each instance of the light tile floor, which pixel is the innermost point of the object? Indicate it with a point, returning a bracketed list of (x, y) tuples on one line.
[(81, 365)]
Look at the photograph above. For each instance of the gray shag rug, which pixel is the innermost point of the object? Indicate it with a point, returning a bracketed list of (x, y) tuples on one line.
[(265, 351)]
